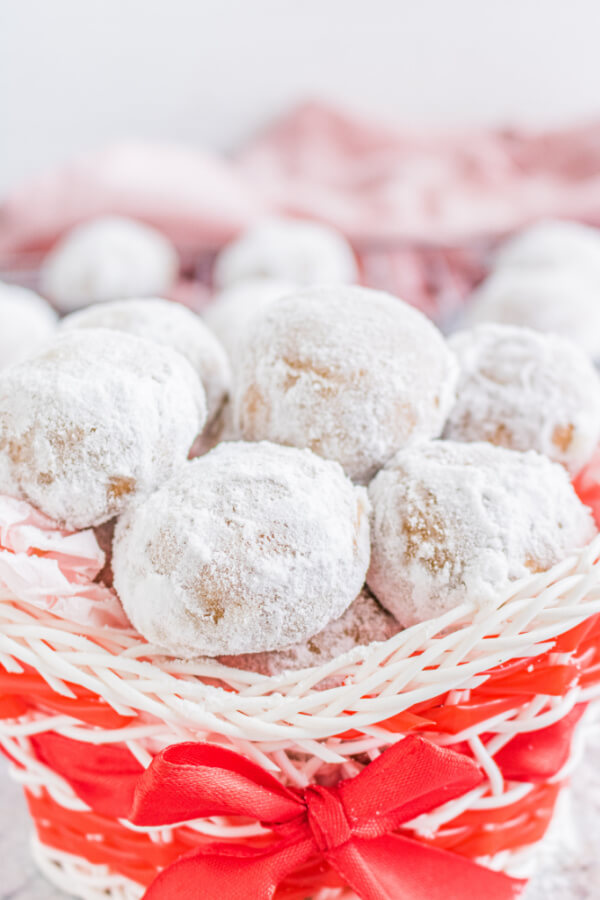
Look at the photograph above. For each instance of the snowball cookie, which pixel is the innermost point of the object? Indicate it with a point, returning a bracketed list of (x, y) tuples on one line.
[(554, 243), (252, 547), (560, 300), (454, 523), (171, 324), (94, 419), (351, 373), (363, 623), (26, 322), (108, 259), (290, 249), (527, 391), (232, 310)]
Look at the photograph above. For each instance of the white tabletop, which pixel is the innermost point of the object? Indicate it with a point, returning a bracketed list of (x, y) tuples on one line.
[(569, 870)]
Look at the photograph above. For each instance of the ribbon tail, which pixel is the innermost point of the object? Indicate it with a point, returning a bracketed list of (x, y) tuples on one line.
[(393, 867), (104, 776), (230, 872), (539, 755)]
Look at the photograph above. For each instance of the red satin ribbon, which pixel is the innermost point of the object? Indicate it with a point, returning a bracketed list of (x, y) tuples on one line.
[(537, 756), (104, 776), (350, 826)]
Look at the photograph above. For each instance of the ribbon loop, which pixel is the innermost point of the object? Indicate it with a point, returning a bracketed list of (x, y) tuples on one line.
[(351, 826)]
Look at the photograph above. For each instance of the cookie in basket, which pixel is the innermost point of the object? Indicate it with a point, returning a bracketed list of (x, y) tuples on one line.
[(456, 523), (170, 324), (561, 300), (232, 310), (351, 373), (252, 547), (108, 258), (26, 322), (521, 389), (93, 420), (553, 244), (295, 250)]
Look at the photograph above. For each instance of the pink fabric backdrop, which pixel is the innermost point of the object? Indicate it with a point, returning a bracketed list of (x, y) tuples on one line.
[(421, 208)]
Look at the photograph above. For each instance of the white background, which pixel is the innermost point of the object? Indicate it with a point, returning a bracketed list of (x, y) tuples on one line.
[(76, 73)]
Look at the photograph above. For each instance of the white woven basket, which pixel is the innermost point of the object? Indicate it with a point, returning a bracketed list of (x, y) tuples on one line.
[(285, 722)]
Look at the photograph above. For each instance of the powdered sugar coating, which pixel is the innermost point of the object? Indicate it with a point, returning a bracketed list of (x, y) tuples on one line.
[(26, 322), (363, 623), (288, 249), (252, 547), (454, 523), (553, 243), (521, 389), (173, 325), (232, 310), (93, 420), (108, 258), (351, 373), (560, 300)]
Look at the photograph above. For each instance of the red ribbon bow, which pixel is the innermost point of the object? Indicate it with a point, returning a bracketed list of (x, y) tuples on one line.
[(351, 826)]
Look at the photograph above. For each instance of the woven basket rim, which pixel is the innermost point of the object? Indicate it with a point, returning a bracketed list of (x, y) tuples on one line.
[(450, 652)]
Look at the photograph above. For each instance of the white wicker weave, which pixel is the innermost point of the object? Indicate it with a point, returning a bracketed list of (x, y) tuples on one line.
[(285, 722), (268, 712)]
